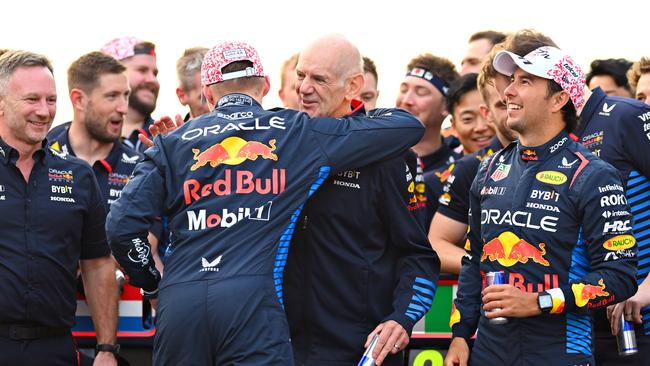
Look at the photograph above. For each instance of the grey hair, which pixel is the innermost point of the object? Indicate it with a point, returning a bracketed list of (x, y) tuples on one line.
[(11, 60), (188, 65)]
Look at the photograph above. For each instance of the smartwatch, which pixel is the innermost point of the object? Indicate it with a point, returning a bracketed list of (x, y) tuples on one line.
[(545, 302), (112, 348)]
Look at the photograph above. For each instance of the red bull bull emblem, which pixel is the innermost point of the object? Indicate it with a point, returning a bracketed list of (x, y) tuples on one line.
[(583, 293), (508, 249), (233, 151), (501, 172), (529, 155), (444, 175)]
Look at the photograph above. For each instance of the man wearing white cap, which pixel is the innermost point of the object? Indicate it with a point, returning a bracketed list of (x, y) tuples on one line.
[(538, 216), (233, 183), (616, 130)]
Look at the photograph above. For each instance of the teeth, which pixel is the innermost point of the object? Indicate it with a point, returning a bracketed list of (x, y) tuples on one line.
[(513, 106)]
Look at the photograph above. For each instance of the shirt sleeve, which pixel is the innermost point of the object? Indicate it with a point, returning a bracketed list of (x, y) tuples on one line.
[(466, 310), (635, 138), (93, 237), (356, 141), (132, 215), (418, 265), (603, 263)]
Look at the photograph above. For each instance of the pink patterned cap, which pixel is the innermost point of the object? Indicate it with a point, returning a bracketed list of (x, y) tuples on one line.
[(224, 54), (549, 63), (121, 48)]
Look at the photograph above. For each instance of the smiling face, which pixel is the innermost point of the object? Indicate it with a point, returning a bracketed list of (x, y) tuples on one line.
[(29, 105), (472, 129), (423, 100), (527, 101), (143, 78)]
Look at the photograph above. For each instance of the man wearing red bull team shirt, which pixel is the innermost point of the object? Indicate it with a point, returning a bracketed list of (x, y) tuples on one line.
[(359, 264), (538, 214), (233, 183)]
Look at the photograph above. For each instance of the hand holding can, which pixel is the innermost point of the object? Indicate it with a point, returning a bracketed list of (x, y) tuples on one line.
[(367, 359), (626, 338), (496, 278)]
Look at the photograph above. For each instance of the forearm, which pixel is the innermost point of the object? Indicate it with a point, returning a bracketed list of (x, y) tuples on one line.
[(450, 255), (102, 296)]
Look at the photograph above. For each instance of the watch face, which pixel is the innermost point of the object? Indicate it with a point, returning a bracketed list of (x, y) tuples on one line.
[(545, 301)]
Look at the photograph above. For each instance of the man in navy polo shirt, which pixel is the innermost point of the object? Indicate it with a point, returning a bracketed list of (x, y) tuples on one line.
[(53, 218), (99, 92)]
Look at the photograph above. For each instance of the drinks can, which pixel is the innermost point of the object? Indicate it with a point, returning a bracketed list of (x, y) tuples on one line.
[(626, 338), (496, 278), (367, 359)]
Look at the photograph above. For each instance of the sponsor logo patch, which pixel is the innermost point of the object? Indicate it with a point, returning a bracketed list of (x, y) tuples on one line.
[(619, 242), (551, 177)]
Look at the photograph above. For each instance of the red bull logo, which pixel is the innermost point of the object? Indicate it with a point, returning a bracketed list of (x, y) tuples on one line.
[(235, 181), (529, 155), (508, 249), (233, 151), (583, 293), (444, 176)]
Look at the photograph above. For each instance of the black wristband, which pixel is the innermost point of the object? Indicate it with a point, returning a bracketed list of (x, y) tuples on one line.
[(104, 347)]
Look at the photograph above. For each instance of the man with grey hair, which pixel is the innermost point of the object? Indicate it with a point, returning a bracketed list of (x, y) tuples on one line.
[(188, 69), (354, 270), (53, 223)]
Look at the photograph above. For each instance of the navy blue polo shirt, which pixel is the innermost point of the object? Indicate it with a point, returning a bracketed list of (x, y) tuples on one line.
[(133, 142), (112, 173), (48, 224), (454, 199)]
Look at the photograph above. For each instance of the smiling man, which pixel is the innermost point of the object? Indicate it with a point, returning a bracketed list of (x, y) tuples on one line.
[(538, 214), (139, 57), (53, 224)]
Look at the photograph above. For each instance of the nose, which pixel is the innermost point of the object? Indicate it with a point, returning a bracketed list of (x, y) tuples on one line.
[(44, 108), (123, 105), (509, 91), (304, 86), (151, 78)]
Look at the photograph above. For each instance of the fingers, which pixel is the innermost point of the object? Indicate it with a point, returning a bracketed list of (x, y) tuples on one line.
[(458, 353), (617, 312), (391, 340), (633, 310), (179, 120), (372, 334), (496, 288), (145, 140), (390, 346)]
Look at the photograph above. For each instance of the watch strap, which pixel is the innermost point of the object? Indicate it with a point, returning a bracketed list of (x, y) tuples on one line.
[(105, 347)]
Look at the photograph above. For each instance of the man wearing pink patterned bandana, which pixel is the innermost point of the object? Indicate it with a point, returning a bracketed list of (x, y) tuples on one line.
[(139, 57)]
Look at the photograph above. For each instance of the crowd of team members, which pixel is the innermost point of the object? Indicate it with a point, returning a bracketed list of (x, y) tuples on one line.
[(384, 238)]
